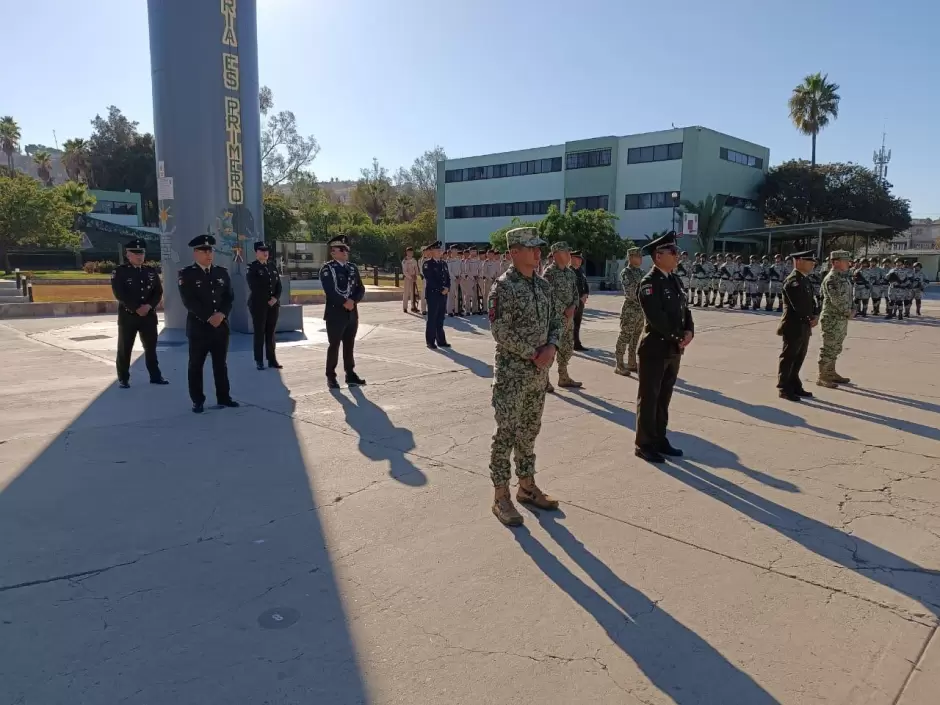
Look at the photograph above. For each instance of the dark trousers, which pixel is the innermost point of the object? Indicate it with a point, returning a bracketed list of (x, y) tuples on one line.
[(205, 341), (795, 345), (434, 326), (578, 315), (264, 323), (657, 377), (130, 325), (341, 327)]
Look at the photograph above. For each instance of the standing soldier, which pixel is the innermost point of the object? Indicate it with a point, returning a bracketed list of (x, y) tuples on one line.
[(138, 291), (878, 280), (437, 284), (475, 271), (711, 271), (564, 287), (897, 281), (908, 288), (725, 285), (778, 272), (751, 277), (527, 328), (697, 282), (684, 271), (504, 263), (264, 283), (631, 314), (419, 285), (860, 279), (206, 292), (737, 281), (466, 284), (918, 284), (410, 273), (815, 278), (763, 282), (343, 288), (453, 271), (837, 309), (584, 290), (796, 324), (490, 271)]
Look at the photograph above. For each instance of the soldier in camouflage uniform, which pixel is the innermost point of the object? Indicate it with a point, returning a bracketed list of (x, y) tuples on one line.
[(631, 315), (918, 284), (838, 307), (878, 284), (527, 329), (565, 295)]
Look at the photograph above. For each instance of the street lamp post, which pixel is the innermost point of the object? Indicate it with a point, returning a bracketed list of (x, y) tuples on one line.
[(675, 205)]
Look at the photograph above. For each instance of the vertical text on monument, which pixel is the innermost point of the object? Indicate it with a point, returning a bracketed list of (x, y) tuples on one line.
[(233, 126)]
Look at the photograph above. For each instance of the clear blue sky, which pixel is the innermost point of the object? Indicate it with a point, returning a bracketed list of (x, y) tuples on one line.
[(391, 79)]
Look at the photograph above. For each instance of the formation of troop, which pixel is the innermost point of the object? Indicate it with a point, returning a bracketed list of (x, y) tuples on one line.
[(721, 280), (471, 272), (896, 281)]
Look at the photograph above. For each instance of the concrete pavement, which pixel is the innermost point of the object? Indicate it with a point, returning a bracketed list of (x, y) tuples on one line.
[(317, 547)]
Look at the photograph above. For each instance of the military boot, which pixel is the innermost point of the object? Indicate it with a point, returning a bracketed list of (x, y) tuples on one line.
[(565, 381), (836, 377), (549, 389), (825, 379), (529, 493), (632, 366), (621, 369), (504, 509)]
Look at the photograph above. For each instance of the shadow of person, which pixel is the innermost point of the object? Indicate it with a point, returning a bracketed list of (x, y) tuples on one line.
[(594, 314), (849, 551), (768, 414), (598, 354), (465, 325), (676, 660), (379, 438), (599, 407), (893, 398), (475, 365), (916, 429)]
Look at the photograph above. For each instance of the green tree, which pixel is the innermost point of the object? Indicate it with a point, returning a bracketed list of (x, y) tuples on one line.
[(31, 215), (43, 161), (712, 214), (373, 191), (420, 181), (75, 159), (498, 238), (279, 217), (76, 194), (9, 140), (285, 153), (592, 231), (403, 208), (813, 104)]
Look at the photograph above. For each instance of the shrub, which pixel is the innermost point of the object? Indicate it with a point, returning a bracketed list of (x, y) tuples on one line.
[(106, 267), (90, 267)]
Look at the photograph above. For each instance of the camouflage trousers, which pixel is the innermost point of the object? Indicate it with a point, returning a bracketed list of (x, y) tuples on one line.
[(518, 402), (565, 344), (631, 326), (834, 330)]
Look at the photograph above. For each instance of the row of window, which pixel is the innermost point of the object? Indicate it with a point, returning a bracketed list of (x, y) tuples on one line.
[(115, 208), (656, 153), (660, 199), (741, 158), (584, 160), (748, 204), (501, 171), (500, 210), (591, 203)]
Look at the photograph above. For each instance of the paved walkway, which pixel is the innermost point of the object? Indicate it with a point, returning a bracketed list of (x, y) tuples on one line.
[(313, 547)]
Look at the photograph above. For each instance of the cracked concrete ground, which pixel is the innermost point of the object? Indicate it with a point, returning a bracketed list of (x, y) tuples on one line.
[(313, 547)]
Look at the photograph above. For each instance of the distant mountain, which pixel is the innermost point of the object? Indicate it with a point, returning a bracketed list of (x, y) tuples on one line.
[(342, 190)]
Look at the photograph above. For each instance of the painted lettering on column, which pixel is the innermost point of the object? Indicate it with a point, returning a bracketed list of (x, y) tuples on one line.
[(233, 120), (228, 30)]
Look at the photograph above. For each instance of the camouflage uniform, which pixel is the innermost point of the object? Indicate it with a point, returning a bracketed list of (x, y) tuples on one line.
[(918, 284), (631, 318), (837, 308), (564, 288)]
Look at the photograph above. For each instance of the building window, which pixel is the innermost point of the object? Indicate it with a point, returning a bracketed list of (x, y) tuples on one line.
[(641, 201), (585, 160), (748, 204), (592, 203), (115, 208), (502, 171), (740, 158), (499, 210), (656, 153)]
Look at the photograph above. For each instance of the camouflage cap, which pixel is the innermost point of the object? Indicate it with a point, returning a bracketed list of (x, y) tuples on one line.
[(560, 246), (525, 237), (839, 255), (634, 251)]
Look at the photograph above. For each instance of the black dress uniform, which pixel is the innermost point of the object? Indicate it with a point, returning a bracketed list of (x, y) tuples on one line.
[(436, 280), (341, 282), (206, 292), (583, 290), (799, 310), (134, 287), (668, 319), (264, 283)]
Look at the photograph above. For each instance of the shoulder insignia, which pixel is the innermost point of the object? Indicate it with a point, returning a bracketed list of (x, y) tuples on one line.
[(646, 290), (795, 282)]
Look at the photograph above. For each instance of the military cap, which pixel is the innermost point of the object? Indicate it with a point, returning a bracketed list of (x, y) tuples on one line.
[(577, 253), (666, 241), (525, 237), (339, 241), (202, 242), (436, 245), (806, 254), (917, 264), (138, 246), (839, 255), (885, 260), (634, 251), (865, 260), (261, 246), (410, 249), (765, 258), (753, 258), (560, 246)]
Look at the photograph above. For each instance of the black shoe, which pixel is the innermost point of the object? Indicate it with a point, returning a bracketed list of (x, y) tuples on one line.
[(159, 380), (229, 403), (666, 448), (424, 313), (198, 408), (275, 365), (580, 348), (124, 384), (331, 383), (788, 396), (451, 315), (353, 378), (259, 365), (443, 345), (649, 455), (432, 346), (803, 394), (779, 309)]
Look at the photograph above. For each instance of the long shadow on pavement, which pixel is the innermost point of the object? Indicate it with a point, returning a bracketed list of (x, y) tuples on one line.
[(151, 555), (878, 395), (475, 365), (917, 429), (680, 663)]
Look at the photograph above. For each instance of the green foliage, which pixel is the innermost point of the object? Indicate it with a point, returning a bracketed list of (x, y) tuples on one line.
[(798, 192), (285, 153), (373, 191), (592, 231), (9, 139), (75, 158), (279, 218), (812, 104), (712, 214), (33, 215), (43, 161), (498, 238), (420, 181), (103, 267), (383, 244)]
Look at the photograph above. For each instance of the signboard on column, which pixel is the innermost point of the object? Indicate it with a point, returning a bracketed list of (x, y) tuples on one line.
[(690, 224)]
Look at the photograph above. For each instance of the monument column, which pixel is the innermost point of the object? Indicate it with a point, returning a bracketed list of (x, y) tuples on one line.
[(207, 126)]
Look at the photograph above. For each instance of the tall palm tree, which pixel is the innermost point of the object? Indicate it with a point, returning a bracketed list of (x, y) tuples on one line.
[(813, 104), (712, 214), (76, 195), (404, 207), (43, 161), (75, 159), (9, 139)]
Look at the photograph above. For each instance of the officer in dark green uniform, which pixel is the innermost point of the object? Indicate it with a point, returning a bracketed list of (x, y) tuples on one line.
[(668, 330), (584, 290), (264, 282), (800, 315), (138, 290)]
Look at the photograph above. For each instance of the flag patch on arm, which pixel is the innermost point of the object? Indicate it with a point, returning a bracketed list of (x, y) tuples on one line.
[(646, 290), (493, 307)]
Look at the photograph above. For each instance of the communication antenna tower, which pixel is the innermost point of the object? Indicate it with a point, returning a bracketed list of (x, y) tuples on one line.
[(881, 159)]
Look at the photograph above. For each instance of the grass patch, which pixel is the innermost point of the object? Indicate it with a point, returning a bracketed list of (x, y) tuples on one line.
[(65, 274), (59, 293)]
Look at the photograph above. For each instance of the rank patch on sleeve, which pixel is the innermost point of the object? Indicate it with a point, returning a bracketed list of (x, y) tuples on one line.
[(646, 290), (493, 307)]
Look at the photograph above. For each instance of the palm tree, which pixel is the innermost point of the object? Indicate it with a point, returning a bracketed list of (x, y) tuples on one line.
[(812, 104), (712, 214), (404, 207), (75, 159), (9, 139), (76, 195), (43, 161)]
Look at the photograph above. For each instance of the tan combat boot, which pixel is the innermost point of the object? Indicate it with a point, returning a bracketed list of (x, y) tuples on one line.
[(504, 509), (565, 381), (529, 493), (632, 366), (836, 377), (621, 369), (549, 389), (825, 379)]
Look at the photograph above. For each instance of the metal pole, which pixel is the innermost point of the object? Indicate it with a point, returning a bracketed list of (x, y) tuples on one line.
[(819, 246), (769, 240)]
